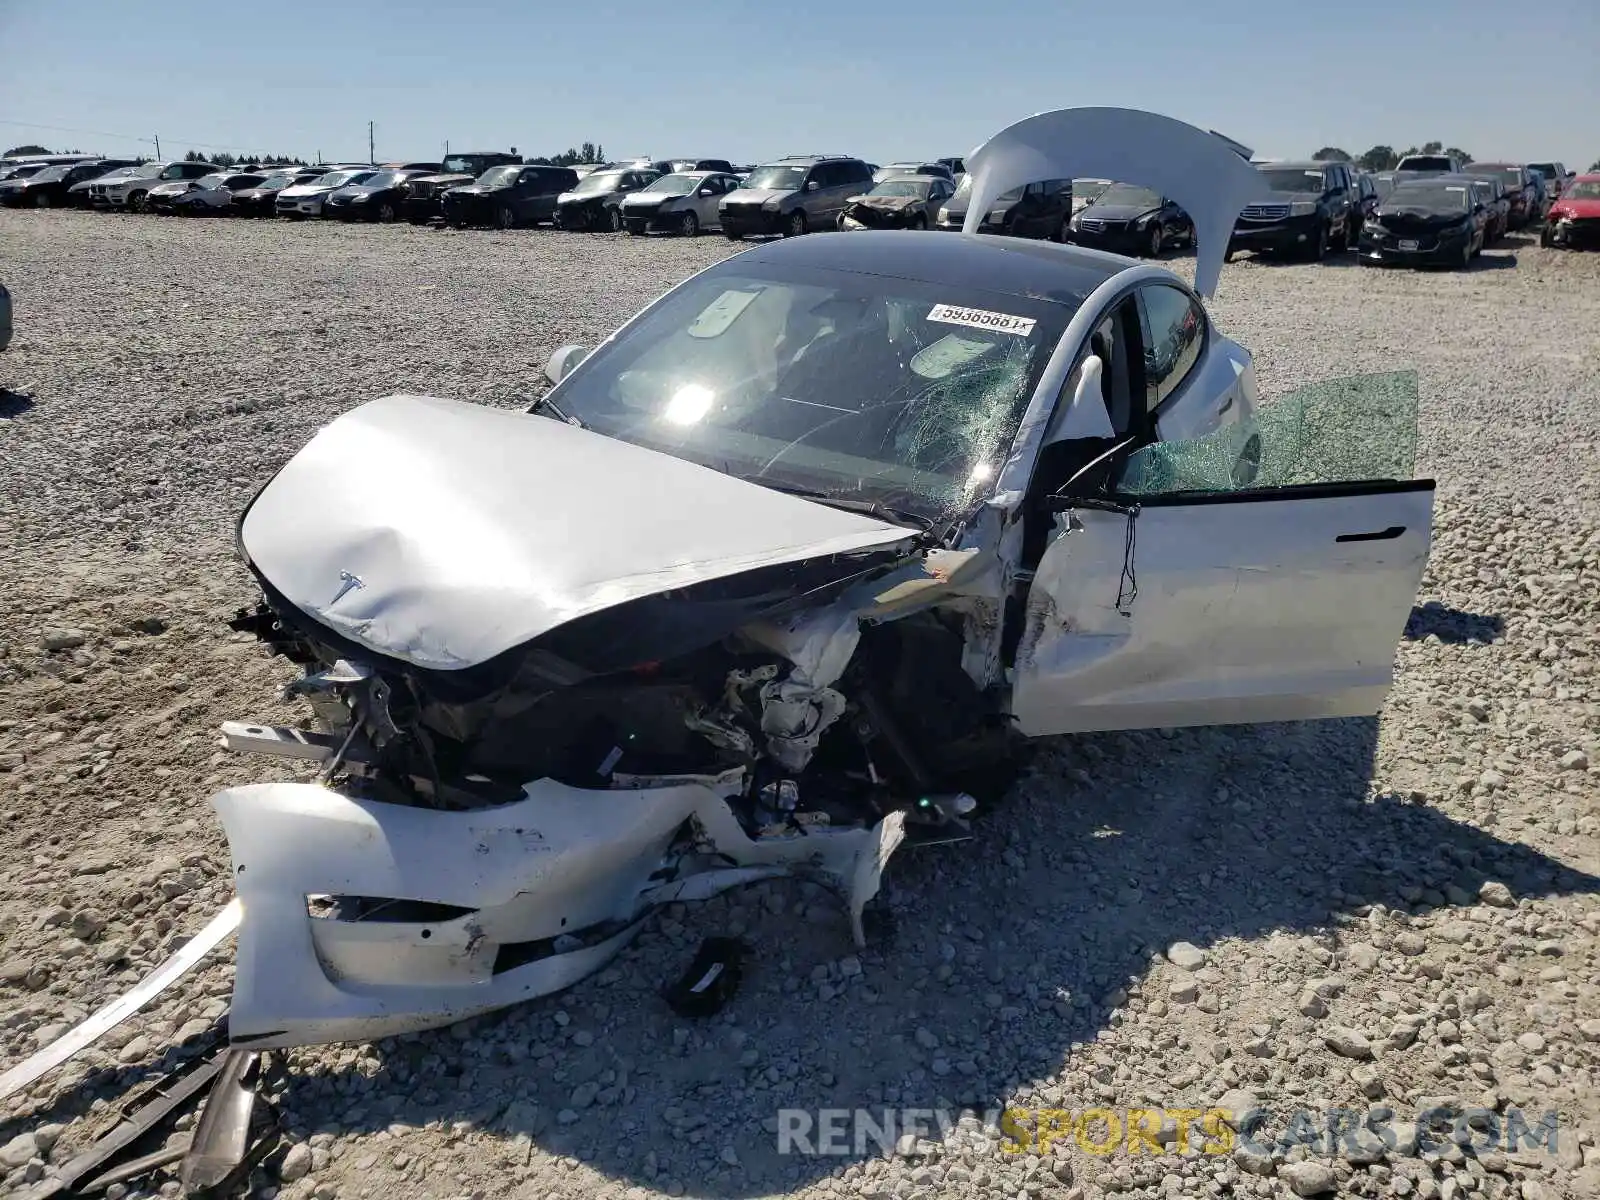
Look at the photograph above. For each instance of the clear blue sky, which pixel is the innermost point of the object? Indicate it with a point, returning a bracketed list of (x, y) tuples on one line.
[(745, 80)]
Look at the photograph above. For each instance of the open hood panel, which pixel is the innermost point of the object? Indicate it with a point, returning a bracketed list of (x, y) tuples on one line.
[(1202, 171), (443, 533)]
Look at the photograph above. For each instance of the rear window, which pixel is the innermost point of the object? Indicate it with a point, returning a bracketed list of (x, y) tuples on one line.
[(1426, 162)]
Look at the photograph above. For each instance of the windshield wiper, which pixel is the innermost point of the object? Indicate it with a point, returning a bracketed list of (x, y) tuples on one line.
[(873, 508), (545, 402)]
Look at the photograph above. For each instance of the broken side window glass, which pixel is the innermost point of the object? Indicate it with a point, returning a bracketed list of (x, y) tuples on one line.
[(1343, 430)]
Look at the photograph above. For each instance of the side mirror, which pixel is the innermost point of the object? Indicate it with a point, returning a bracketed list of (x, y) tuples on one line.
[(1085, 415), (812, 185), (562, 362), (705, 192)]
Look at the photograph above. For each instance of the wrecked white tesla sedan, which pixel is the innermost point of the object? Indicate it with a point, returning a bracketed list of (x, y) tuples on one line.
[(776, 577)]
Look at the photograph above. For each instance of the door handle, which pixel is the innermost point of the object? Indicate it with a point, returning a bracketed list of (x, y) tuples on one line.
[(1379, 535), (1226, 404)]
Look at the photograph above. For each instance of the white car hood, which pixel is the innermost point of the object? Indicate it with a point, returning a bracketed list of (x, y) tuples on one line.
[(444, 533), (302, 190), (1199, 170)]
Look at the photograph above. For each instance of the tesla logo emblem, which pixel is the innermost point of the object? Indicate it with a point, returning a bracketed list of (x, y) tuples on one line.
[(349, 584)]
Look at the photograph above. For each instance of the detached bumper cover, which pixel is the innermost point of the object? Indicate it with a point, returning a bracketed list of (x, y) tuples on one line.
[(535, 895)]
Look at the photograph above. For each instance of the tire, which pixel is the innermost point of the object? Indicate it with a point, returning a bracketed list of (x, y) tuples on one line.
[(635, 228), (1063, 231), (386, 213), (505, 217), (733, 235), (1467, 255), (1319, 248), (1157, 237), (614, 219), (1544, 237), (795, 224), (689, 225), (136, 202), (920, 222)]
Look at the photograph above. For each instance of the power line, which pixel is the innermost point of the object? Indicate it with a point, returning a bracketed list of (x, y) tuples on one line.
[(125, 137)]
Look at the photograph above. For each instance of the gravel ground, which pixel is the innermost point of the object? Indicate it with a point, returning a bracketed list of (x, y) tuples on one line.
[(1304, 918)]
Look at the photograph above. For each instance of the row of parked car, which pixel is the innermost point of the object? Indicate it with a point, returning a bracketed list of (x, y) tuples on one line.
[(1430, 210)]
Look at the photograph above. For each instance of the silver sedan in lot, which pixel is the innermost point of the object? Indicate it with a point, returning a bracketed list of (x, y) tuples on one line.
[(684, 203)]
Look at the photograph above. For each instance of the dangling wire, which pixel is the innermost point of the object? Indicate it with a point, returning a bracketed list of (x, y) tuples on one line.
[(1128, 584)]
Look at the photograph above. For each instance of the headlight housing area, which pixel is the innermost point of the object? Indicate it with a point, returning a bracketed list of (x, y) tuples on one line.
[(774, 204), (1302, 208), (944, 216), (360, 199)]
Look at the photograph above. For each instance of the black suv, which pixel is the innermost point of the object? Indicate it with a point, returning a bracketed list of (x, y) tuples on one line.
[(1039, 210), (508, 196), (1308, 208)]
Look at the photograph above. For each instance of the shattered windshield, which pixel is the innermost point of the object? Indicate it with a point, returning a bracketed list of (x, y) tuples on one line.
[(1429, 197), (600, 181), (1129, 194), (503, 176), (335, 179), (964, 192), (851, 385), (384, 179), (781, 179), (904, 187), (1297, 181), (675, 185)]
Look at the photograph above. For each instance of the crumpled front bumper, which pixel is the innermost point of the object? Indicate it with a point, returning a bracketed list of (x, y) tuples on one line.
[(525, 899)]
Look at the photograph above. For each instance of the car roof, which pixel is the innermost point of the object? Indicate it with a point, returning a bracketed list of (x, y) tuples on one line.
[(1012, 266), (910, 178), (1294, 164)]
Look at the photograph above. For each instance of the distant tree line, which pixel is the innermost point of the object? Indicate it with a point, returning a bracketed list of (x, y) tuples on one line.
[(589, 152), (1385, 158), (233, 160)]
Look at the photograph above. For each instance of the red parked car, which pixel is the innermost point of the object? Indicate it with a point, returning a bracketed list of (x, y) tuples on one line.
[(1574, 220)]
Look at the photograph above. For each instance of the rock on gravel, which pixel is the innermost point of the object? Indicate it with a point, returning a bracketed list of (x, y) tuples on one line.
[(1431, 862)]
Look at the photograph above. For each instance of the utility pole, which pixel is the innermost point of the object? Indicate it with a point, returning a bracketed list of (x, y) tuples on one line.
[(371, 155), (447, 147), (158, 147)]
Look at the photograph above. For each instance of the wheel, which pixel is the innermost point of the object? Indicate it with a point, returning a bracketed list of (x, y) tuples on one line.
[(796, 223), (920, 221), (1063, 231), (1544, 237), (614, 219), (386, 212), (733, 235), (1319, 248), (1157, 237), (635, 228), (1467, 255), (689, 225), (505, 217), (136, 201)]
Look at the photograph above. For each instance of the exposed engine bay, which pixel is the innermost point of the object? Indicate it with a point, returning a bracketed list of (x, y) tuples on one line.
[(487, 835)]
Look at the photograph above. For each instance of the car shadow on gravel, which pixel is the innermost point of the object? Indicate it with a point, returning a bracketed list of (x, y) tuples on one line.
[(1454, 625), (1004, 955), (14, 404)]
